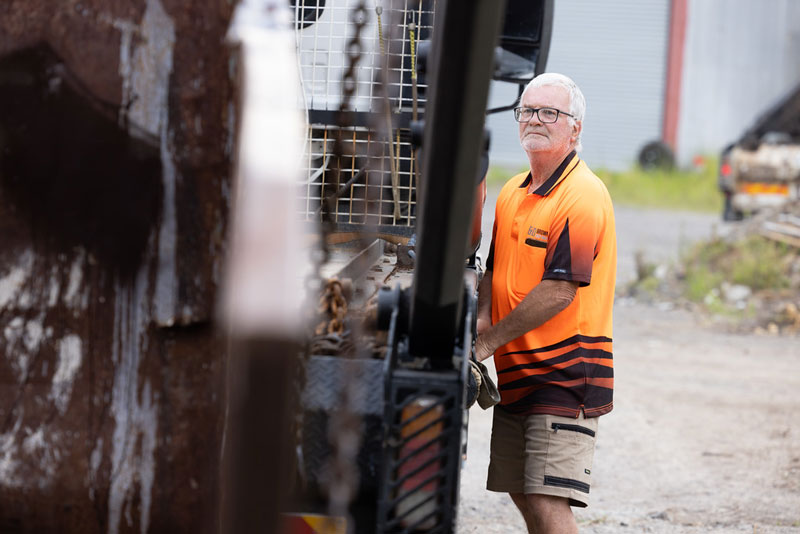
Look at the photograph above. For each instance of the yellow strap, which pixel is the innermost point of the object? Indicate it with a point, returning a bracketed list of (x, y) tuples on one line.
[(411, 28), (378, 11)]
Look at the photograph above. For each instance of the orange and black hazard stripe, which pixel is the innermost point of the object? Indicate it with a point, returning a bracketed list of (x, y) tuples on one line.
[(572, 374)]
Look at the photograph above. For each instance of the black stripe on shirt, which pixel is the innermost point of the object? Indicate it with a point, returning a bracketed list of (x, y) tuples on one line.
[(577, 371), (568, 341), (578, 351)]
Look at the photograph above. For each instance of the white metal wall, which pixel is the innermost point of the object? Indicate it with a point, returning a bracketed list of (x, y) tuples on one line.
[(616, 51), (740, 56)]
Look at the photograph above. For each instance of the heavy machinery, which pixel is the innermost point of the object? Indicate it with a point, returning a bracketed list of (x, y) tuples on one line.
[(396, 94), (120, 388)]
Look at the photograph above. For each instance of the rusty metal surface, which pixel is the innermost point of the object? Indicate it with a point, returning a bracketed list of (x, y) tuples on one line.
[(115, 135)]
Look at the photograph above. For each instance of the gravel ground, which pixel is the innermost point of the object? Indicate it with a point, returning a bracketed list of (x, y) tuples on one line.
[(704, 435)]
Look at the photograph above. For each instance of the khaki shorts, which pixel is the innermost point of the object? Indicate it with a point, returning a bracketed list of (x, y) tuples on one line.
[(544, 454)]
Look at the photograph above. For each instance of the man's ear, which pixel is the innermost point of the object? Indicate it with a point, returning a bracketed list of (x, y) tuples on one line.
[(577, 126)]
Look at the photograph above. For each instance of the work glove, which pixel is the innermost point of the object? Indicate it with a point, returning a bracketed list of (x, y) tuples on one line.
[(487, 394)]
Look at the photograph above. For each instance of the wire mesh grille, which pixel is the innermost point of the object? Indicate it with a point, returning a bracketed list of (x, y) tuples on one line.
[(364, 185), (323, 35), (377, 182)]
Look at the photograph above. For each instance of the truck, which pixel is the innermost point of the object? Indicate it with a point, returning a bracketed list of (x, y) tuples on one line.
[(144, 389), (761, 169), (394, 174)]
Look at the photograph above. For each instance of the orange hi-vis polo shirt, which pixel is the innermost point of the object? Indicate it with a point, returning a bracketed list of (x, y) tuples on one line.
[(562, 231)]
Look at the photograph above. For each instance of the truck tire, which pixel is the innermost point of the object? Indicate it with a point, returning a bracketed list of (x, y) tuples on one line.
[(729, 213), (656, 155)]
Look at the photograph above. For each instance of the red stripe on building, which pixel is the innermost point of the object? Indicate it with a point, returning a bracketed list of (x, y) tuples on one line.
[(672, 100)]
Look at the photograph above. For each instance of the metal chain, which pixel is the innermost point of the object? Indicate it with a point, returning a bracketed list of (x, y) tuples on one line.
[(329, 330), (332, 304), (344, 425), (334, 340)]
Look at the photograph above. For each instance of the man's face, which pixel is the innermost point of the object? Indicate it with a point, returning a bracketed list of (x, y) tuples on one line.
[(557, 137)]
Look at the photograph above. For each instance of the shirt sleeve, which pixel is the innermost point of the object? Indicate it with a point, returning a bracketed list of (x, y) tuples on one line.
[(574, 235)]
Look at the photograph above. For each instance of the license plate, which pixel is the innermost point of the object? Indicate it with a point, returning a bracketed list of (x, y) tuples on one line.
[(765, 189)]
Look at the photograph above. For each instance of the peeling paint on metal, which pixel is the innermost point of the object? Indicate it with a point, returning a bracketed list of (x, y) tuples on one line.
[(45, 451), (69, 361), (54, 288), (158, 29), (94, 465), (34, 441), (135, 417), (166, 281), (97, 456), (72, 298), (25, 300), (15, 278), (145, 70), (14, 332), (127, 29), (34, 334), (8, 450), (70, 303)]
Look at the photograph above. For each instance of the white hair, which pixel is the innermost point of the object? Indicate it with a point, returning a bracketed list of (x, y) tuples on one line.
[(577, 102)]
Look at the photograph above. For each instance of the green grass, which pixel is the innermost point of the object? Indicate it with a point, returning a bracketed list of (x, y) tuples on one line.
[(700, 281), (753, 261), (687, 190), (694, 190), (764, 266)]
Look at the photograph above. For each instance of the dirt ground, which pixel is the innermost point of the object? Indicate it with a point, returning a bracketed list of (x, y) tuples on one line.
[(704, 436)]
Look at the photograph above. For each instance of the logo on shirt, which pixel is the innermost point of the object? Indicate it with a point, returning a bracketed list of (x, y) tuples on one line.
[(537, 237)]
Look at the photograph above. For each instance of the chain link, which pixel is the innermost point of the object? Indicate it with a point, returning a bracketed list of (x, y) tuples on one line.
[(332, 304), (330, 335), (345, 424)]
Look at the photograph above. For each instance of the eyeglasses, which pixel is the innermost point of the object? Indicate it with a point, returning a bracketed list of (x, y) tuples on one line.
[(546, 115)]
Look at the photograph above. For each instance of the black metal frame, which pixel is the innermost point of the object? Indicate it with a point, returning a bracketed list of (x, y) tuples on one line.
[(460, 68), (431, 326), (366, 119), (445, 388)]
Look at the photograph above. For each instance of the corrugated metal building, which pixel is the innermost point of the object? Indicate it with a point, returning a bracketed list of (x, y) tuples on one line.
[(616, 53), (731, 59), (740, 57)]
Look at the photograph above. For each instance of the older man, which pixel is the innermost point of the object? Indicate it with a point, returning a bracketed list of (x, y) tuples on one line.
[(544, 311)]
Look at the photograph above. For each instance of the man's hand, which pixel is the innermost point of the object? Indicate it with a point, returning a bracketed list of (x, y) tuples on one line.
[(482, 348)]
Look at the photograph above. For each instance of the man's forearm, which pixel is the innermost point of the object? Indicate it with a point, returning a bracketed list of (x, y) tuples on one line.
[(485, 298), (540, 305)]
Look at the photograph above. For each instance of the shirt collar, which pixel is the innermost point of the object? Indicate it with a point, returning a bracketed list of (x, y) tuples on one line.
[(559, 174)]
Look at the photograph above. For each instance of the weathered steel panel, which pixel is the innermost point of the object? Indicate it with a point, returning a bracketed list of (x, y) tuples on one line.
[(116, 123)]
